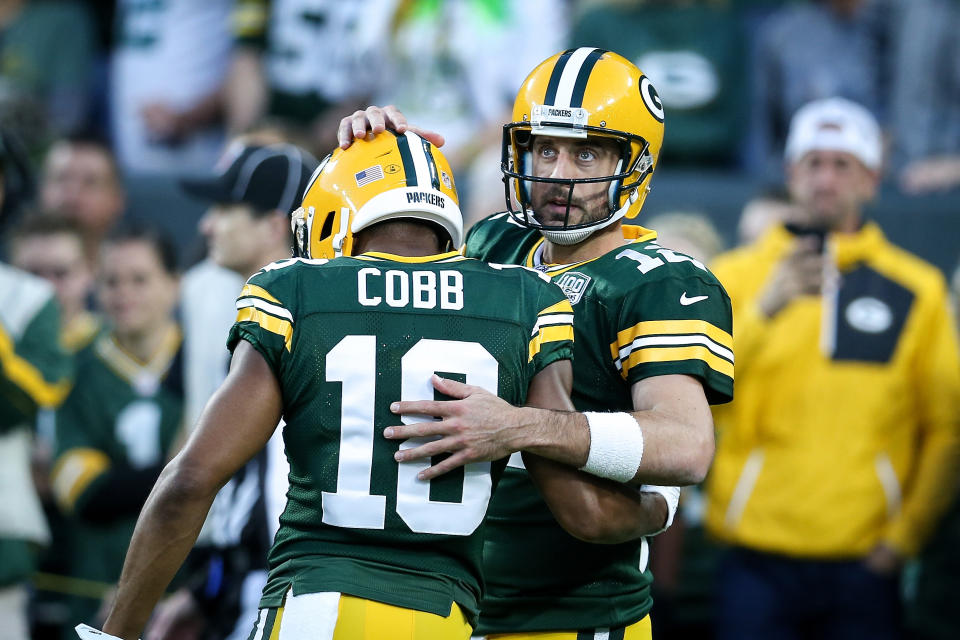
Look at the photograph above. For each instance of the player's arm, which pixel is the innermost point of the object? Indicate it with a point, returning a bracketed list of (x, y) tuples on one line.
[(668, 437), (587, 507), (236, 423)]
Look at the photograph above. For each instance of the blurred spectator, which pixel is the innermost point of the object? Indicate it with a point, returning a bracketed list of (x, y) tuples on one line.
[(52, 248), (435, 77), (766, 209), (838, 454), (925, 105), (808, 51), (169, 65), (117, 427), (81, 182), (46, 56), (693, 52), (247, 226), (34, 376), (305, 61), (243, 232), (691, 233), (456, 66)]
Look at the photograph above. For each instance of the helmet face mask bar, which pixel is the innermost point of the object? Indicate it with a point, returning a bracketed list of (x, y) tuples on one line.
[(583, 94)]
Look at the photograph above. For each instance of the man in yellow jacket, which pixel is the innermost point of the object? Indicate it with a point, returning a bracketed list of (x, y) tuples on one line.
[(839, 452)]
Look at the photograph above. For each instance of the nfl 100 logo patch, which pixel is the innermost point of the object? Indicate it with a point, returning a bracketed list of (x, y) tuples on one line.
[(573, 284)]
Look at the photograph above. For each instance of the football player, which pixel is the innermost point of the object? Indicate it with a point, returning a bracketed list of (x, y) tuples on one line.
[(653, 347), (374, 306)]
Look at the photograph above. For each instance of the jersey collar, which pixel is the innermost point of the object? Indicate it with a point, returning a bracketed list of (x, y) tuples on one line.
[(636, 233), (534, 259), (440, 257), (144, 377)]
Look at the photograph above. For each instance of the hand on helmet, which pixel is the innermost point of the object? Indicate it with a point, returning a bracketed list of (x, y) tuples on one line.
[(376, 120)]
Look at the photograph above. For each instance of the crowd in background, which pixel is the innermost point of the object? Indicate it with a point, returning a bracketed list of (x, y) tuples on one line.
[(105, 106)]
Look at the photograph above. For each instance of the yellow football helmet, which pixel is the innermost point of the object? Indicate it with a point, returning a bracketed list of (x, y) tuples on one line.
[(392, 175), (575, 94)]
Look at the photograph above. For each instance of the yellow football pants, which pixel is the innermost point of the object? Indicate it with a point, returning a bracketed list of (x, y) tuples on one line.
[(336, 616), (639, 630)]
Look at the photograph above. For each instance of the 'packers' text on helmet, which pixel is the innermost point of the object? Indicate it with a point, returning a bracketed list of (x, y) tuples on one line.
[(387, 177), (582, 93)]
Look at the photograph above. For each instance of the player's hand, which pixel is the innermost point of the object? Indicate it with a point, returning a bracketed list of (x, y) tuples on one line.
[(176, 618), (374, 120), (477, 426), (799, 273)]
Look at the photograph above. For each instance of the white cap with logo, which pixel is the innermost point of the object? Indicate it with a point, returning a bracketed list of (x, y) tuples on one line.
[(835, 124)]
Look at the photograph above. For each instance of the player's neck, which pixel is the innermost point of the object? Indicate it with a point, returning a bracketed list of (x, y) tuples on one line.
[(406, 249), (596, 244), (400, 238)]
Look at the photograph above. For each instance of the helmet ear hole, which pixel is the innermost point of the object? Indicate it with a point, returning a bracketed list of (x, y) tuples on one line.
[(327, 230)]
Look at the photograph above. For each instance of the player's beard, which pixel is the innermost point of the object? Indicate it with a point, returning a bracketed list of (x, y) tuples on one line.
[(558, 207)]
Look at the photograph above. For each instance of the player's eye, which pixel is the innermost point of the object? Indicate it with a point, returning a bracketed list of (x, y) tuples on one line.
[(547, 152), (586, 155)]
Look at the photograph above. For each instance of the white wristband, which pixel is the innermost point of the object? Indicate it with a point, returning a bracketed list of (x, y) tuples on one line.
[(616, 446), (671, 495)]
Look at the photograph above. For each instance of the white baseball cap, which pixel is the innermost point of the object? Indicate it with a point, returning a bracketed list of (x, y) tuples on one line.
[(835, 124)]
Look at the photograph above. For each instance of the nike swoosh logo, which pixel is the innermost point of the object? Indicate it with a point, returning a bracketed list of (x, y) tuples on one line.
[(684, 300)]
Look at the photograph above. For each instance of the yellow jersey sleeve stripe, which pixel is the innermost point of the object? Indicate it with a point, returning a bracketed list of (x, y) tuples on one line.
[(272, 309), (671, 341), (271, 323), (563, 306), (73, 473), (259, 292), (670, 354), (551, 333), (672, 327), (28, 378)]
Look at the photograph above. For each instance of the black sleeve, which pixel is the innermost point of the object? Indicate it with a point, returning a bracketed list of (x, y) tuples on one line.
[(119, 493)]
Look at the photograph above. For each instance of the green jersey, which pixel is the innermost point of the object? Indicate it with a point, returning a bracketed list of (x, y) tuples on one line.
[(114, 432), (35, 375), (35, 369), (345, 338), (641, 311)]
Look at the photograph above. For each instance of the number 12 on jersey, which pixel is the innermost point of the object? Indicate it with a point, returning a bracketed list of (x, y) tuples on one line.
[(353, 362)]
